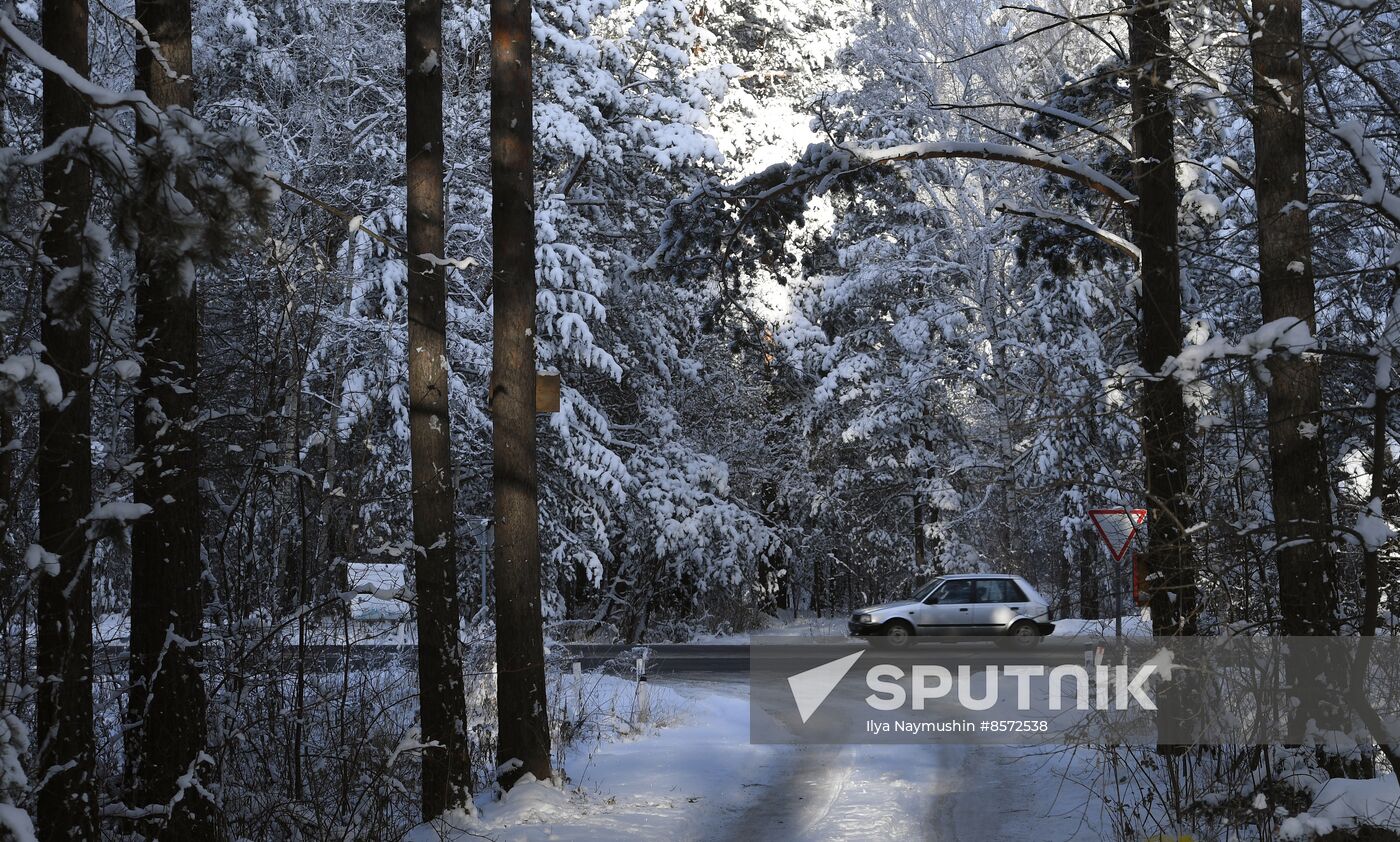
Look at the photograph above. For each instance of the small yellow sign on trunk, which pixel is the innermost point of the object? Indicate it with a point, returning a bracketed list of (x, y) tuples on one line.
[(546, 391)]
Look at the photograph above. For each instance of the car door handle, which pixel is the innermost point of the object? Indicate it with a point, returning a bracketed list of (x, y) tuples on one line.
[(962, 609)]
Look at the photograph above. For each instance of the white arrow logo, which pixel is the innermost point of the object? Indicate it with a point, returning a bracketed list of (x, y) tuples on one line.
[(810, 688)]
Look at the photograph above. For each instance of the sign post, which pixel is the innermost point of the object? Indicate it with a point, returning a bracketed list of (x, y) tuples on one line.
[(1117, 527)]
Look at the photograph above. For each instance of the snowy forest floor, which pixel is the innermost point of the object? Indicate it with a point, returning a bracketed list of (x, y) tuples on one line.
[(697, 777)]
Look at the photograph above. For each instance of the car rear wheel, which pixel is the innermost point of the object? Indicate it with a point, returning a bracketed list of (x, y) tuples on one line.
[(1022, 635)]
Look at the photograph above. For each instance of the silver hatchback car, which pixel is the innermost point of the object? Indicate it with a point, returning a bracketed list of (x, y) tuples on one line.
[(971, 605)]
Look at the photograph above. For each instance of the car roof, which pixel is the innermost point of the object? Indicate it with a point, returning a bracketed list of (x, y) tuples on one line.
[(979, 576)]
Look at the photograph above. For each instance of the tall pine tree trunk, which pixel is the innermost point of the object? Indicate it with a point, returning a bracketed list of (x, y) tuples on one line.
[(524, 724), (442, 694), (1298, 460), (1302, 503), (166, 704), (1165, 441), (67, 791)]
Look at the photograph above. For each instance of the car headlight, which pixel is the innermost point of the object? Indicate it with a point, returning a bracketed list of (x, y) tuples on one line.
[(865, 618)]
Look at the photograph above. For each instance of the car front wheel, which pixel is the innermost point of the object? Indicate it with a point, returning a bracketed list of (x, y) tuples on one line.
[(897, 635)]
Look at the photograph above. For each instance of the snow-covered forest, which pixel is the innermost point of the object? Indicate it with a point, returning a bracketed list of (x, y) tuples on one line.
[(841, 296)]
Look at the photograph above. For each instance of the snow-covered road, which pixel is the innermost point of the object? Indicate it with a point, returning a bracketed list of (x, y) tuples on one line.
[(697, 777)]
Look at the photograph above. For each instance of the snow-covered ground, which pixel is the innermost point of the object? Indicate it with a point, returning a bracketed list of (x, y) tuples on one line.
[(805, 625), (697, 777), (670, 781), (1133, 626), (1347, 804)]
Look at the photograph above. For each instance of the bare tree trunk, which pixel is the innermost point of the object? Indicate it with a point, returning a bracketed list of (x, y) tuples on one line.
[(1165, 441), (67, 791), (920, 556), (446, 769), (1371, 575), (1302, 505), (774, 575), (166, 704), (9, 542), (524, 725), (1088, 579), (1062, 582)]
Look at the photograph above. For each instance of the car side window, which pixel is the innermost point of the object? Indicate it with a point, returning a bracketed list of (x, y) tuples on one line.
[(956, 592)]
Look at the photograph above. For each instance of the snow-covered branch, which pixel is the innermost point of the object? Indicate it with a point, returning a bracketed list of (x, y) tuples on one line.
[(1353, 136), (1289, 335), (1077, 222), (1005, 153), (146, 111)]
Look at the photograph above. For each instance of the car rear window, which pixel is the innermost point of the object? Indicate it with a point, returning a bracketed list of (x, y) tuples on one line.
[(999, 590)]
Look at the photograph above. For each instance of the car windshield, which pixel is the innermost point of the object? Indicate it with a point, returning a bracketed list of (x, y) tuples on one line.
[(922, 593)]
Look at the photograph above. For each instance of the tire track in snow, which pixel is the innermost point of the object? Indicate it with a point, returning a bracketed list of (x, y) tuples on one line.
[(798, 799)]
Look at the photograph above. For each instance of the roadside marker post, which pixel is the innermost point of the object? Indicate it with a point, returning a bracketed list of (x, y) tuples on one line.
[(578, 692), (643, 707)]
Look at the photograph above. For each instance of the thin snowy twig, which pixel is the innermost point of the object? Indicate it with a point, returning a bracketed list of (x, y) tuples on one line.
[(357, 225), (1058, 20), (146, 40), (1096, 127)]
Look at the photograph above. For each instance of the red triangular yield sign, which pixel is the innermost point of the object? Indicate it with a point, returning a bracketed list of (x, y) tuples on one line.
[(1117, 527)]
